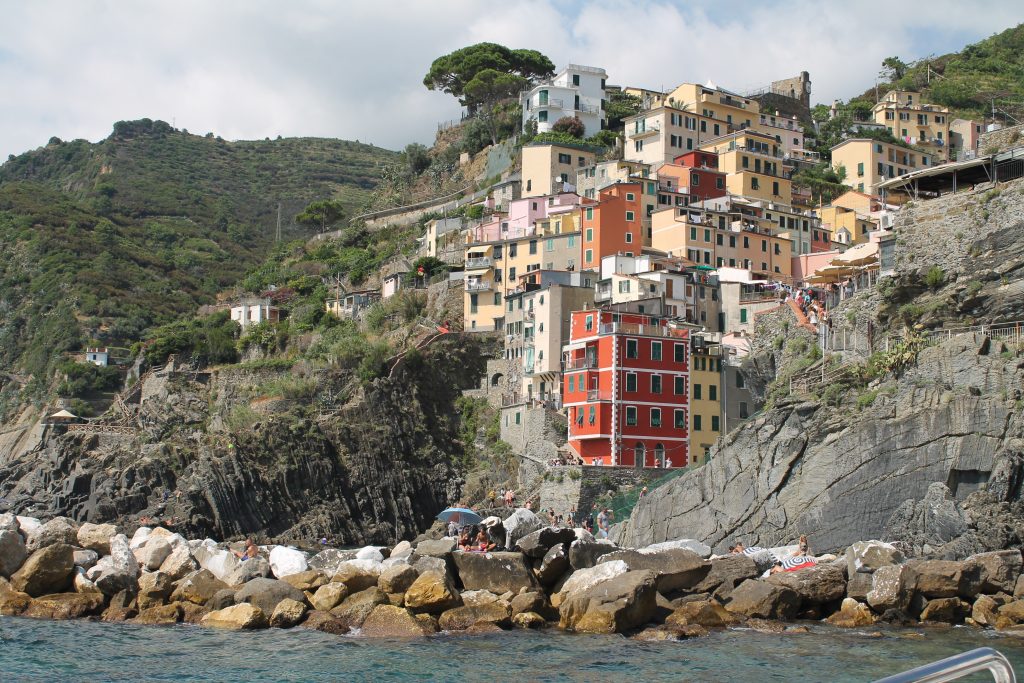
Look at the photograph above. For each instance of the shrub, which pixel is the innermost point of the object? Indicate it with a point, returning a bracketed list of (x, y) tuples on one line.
[(83, 379), (910, 313), (973, 287), (475, 211), (866, 400), (570, 125), (833, 395), (934, 278)]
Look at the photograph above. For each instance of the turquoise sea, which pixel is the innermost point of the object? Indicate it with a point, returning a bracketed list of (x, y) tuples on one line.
[(88, 651)]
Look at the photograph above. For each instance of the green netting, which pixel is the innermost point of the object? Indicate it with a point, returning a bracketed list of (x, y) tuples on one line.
[(623, 502)]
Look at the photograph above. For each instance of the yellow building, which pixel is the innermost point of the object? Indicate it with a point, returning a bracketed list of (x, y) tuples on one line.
[(547, 168), (755, 164), (846, 225), (717, 104), (705, 401), (917, 123), (870, 162)]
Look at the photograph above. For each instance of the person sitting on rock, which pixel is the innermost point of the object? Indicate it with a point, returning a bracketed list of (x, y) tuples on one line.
[(496, 535), (465, 540), (482, 542), (250, 551)]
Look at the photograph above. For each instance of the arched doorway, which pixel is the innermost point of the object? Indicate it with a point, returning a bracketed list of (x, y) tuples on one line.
[(496, 378), (639, 453), (659, 455)]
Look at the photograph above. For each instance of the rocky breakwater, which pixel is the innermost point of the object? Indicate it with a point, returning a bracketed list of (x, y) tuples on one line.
[(554, 578)]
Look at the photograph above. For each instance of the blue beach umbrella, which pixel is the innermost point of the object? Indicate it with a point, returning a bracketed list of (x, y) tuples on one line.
[(460, 516)]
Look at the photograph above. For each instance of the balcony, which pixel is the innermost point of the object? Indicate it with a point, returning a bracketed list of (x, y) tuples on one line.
[(642, 330), (646, 131), (754, 296), (479, 262), (587, 109), (579, 364), (598, 395), (732, 102), (550, 103), (479, 286)]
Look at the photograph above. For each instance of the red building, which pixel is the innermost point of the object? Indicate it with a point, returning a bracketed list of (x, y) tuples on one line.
[(705, 181), (612, 225), (626, 388)]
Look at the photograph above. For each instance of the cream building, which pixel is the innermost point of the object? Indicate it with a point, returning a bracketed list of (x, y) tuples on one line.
[(551, 169), (870, 162), (916, 123)]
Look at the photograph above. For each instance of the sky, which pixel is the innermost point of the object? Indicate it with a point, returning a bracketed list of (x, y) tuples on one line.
[(249, 69)]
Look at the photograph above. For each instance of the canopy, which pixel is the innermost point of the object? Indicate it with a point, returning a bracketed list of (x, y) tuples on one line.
[(858, 255), (461, 516)]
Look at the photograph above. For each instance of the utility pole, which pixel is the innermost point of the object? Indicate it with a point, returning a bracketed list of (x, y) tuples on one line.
[(277, 236)]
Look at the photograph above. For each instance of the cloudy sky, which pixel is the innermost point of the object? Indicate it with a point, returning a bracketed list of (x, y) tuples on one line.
[(257, 68)]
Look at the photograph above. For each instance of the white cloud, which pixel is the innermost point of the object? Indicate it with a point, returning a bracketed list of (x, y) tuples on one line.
[(252, 69)]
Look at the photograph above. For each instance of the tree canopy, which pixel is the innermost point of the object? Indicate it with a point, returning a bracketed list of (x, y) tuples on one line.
[(321, 214), (454, 72)]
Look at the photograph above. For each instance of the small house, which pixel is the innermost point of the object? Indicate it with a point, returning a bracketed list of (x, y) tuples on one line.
[(97, 356), (392, 284), (254, 310), (352, 304)]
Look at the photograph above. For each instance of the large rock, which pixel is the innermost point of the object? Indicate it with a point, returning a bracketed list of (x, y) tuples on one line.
[(585, 554), (529, 602), (225, 597), (859, 586), (867, 556), (327, 561), (325, 622), (892, 587), (727, 573), (219, 562), (520, 523), (86, 558), (937, 578), (432, 592), (285, 561), (198, 587), (308, 580), (65, 606), (154, 589), (554, 564), (242, 616), (702, 549), (81, 582), (537, 543), (852, 614), (985, 610), (9, 522), (153, 553), (266, 593), (442, 547), (358, 575), (674, 568), (48, 570), (160, 615), (356, 607), (329, 596), (140, 537), (117, 571), (370, 552), (12, 602), (401, 549), (13, 552), (397, 579), (96, 537), (179, 563), (947, 610), (461, 618), (706, 613), (815, 585), (583, 580), (613, 606), (993, 572), (59, 530), (388, 621), (754, 598), (28, 525), (496, 572), (247, 570), (287, 613)]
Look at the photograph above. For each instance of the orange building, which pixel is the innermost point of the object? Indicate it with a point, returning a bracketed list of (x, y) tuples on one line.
[(613, 225)]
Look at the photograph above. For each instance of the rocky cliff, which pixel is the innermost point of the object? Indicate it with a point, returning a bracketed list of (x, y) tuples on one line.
[(930, 454), (228, 453)]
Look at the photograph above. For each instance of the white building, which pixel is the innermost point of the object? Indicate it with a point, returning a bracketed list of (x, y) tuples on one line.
[(97, 356), (253, 311), (574, 91)]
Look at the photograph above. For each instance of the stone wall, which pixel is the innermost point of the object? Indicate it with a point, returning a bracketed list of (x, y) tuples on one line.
[(576, 486), (1001, 140), (533, 426)]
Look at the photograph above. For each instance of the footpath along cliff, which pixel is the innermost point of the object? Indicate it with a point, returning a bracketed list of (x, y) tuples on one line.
[(923, 443)]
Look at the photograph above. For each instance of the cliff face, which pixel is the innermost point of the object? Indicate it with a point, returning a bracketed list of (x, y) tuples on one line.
[(372, 469)]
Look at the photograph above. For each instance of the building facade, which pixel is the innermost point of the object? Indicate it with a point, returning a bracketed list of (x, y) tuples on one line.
[(575, 91), (551, 169), (870, 162), (907, 117)]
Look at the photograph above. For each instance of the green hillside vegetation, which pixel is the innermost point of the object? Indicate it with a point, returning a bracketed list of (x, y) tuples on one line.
[(100, 243)]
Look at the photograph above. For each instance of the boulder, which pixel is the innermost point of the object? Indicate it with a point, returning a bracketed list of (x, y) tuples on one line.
[(937, 578), (755, 598), (528, 620), (96, 537), (59, 530), (852, 614), (442, 547), (247, 570), (892, 587), (221, 563), (519, 524), (727, 573), (160, 615), (867, 556), (153, 553), (430, 564), (1013, 612), (479, 597), (117, 571), (706, 613), (325, 622), (537, 543), (528, 602), (287, 613), (388, 621), (397, 579), (225, 597), (27, 525), (328, 561), (9, 522), (461, 618), (370, 552), (690, 544), (13, 602), (308, 580), (496, 572), (993, 572), (859, 586), (179, 563), (817, 585), (985, 610), (584, 554), (583, 580), (242, 616), (329, 596), (140, 537), (266, 593), (198, 587), (48, 570), (13, 552), (122, 607), (947, 610), (612, 606), (358, 575), (154, 589), (674, 568), (401, 549), (553, 565), (86, 558), (356, 607), (432, 592), (63, 606), (81, 583), (1018, 588)]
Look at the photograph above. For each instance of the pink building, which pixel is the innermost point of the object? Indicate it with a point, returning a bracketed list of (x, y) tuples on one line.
[(522, 216)]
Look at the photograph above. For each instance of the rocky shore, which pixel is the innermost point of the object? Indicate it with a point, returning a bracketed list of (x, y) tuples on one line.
[(555, 578)]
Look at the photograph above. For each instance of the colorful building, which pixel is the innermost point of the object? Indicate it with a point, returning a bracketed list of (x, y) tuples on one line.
[(613, 225), (550, 169), (908, 118), (625, 387), (964, 135), (575, 91), (755, 166), (869, 162), (658, 136), (705, 396)]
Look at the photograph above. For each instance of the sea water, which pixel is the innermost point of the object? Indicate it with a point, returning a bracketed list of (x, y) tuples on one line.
[(90, 651)]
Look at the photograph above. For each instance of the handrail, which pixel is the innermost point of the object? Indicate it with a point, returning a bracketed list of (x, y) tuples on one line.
[(958, 666)]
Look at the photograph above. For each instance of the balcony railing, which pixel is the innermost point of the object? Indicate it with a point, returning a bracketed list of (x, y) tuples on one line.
[(550, 103), (479, 262), (579, 364), (647, 131), (587, 109), (479, 286), (641, 330), (746, 297)]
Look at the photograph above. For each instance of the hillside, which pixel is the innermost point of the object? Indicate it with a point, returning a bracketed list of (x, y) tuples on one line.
[(101, 242)]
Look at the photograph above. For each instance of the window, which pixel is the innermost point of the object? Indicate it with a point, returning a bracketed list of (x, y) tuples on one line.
[(623, 286), (746, 242), (631, 382), (590, 213), (712, 392), (565, 158), (655, 384), (549, 245), (680, 353), (707, 236), (542, 115), (745, 162), (589, 255), (696, 423), (589, 323), (590, 235), (775, 188), (631, 416), (739, 380), (860, 170), (696, 392), (497, 298), (512, 274), (719, 239), (743, 315), (572, 383), (632, 348), (575, 79), (720, 183), (533, 246), (743, 410), (755, 184), (593, 415), (655, 417), (630, 197), (629, 238), (656, 350), (638, 145), (714, 423), (630, 216), (694, 179), (693, 233), (679, 388), (680, 419), (764, 246)]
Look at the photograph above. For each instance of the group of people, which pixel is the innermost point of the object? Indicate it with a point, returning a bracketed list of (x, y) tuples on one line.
[(597, 522), (485, 537), (801, 558)]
